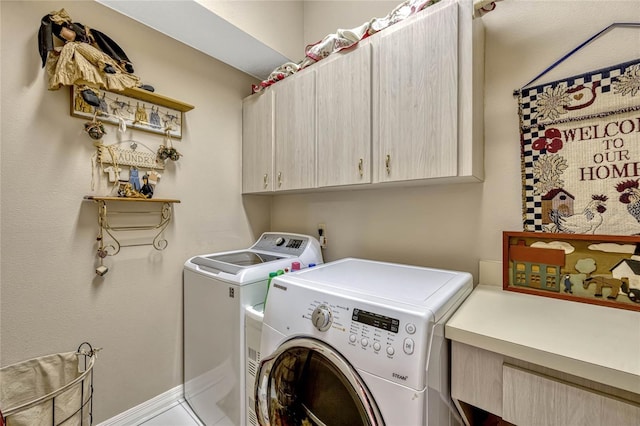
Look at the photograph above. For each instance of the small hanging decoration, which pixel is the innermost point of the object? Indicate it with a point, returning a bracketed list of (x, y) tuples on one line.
[(168, 151), (95, 129), (101, 253)]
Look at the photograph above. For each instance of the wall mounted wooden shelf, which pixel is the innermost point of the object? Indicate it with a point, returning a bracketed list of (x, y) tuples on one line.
[(153, 97), (140, 110), (139, 200)]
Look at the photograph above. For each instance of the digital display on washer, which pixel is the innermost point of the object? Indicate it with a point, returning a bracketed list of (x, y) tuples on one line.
[(376, 320), (294, 243)]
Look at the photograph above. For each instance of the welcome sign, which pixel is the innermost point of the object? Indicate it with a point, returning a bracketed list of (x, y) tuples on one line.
[(580, 140)]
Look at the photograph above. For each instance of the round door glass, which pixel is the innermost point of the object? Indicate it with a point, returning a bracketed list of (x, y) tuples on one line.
[(306, 388)]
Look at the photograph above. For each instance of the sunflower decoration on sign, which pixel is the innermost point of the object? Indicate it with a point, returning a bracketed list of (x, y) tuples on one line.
[(629, 82), (552, 102)]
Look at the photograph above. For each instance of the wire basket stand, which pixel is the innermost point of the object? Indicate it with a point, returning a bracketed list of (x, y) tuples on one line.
[(54, 390)]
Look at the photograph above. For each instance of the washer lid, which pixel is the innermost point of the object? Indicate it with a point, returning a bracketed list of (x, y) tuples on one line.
[(234, 262), (243, 258), (412, 285)]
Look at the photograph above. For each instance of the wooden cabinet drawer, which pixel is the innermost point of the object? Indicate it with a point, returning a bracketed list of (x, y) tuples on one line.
[(534, 399), (476, 377)]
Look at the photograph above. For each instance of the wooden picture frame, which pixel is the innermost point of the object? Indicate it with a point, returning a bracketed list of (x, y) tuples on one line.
[(596, 269), (137, 113)]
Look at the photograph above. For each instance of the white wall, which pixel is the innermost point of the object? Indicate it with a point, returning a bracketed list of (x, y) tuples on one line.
[(288, 26), (455, 226), (51, 299), (322, 17), (278, 24)]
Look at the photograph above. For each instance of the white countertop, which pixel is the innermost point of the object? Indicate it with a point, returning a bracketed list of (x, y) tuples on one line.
[(598, 343)]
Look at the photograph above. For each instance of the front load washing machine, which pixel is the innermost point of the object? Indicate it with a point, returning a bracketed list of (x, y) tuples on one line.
[(217, 289), (358, 342)]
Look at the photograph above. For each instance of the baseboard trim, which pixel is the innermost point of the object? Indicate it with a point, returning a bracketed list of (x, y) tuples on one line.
[(148, 409)]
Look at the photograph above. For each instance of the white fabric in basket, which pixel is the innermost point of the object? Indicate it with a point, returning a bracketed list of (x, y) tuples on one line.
[(36, 382)]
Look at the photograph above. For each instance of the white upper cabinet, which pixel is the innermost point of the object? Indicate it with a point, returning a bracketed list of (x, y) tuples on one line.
[(344, 118), (428, 96), (257, 143), (404, 105), (295, 131), (416, 97)]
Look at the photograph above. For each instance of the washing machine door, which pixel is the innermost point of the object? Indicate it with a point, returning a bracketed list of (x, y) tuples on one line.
[(306, 382)]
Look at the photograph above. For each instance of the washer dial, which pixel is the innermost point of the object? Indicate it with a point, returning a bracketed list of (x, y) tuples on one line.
[(322, 317)]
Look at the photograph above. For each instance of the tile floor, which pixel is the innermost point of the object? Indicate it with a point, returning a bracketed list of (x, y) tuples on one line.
[(179, 414)]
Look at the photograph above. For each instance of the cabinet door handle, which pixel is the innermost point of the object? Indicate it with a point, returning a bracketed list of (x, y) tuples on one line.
[(279, 179), (360, 167), (387, 164), (266, 176)]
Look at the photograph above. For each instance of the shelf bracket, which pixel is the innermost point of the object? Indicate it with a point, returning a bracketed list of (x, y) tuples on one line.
[(105, 224)]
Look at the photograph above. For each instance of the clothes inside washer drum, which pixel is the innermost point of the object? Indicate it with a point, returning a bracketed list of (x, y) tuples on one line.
[(308, 390)]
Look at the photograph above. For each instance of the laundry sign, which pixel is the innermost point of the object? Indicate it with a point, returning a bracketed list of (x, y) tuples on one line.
[(129, 154), (580, 153)]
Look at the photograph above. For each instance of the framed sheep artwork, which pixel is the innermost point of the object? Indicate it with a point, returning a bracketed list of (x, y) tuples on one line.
[(596, 269)]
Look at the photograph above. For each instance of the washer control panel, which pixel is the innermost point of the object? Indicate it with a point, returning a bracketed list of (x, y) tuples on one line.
[(378, 331), (288, 244), (386, 343)]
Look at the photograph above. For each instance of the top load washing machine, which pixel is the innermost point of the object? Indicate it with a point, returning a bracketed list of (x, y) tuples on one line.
[(217, 289), (358, 342)]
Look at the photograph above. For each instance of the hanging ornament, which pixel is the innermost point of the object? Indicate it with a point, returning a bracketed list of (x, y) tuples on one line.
[(95, 129), (168, 151)]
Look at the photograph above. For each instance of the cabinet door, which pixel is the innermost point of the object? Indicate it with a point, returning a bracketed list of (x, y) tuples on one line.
[(257, 143), (344, 118), (294, 116), (534, 399), (476, 377), (416, 97)]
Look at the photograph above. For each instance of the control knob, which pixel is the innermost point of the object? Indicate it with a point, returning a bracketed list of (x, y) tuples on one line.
[(322, 317), (279, 241)]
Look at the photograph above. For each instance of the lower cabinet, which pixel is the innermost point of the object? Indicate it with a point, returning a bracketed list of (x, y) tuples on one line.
[(531, 395), (476, 377), (534, 399)]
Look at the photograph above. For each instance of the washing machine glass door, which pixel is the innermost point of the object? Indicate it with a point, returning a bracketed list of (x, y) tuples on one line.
[(306, 382)]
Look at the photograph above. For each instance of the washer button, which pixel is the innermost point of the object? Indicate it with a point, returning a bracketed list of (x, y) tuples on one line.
[(364, 342), (410, 328), (390, 350), (376, 346), (408, 346), (352, 338)]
